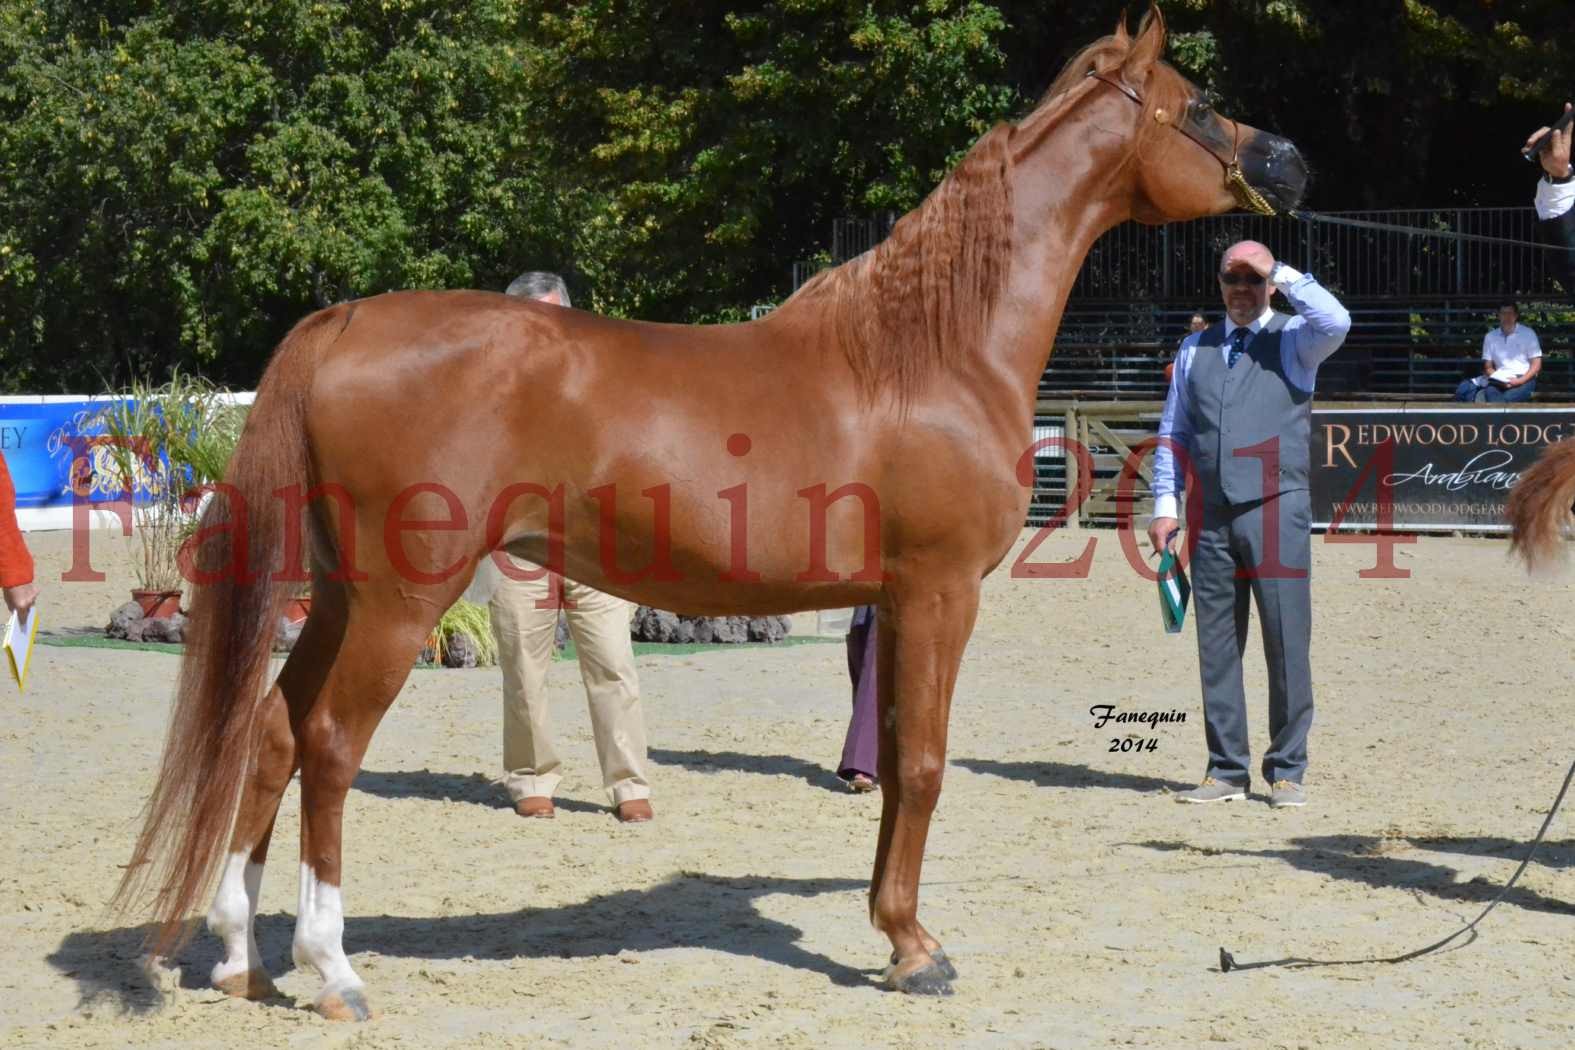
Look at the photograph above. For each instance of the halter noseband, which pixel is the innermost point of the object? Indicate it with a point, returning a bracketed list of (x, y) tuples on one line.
[(1235, 181)]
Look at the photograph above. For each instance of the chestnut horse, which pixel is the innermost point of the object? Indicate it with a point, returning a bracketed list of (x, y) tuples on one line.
[(1541, 504), (699, 469)]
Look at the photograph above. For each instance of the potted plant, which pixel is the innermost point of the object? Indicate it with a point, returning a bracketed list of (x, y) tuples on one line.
[(165, 443), (200, 449), (463, 637)]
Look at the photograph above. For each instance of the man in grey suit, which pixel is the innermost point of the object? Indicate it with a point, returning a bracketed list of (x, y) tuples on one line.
[(1240, 409)]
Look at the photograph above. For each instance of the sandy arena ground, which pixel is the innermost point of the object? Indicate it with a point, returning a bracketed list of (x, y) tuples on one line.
[(1082, 906)]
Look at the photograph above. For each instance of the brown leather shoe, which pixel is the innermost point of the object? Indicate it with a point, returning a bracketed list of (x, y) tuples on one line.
[(635, 811), (535, 806)]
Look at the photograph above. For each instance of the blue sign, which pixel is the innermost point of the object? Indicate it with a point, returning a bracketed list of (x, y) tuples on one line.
[(44, 442), (32, 436)]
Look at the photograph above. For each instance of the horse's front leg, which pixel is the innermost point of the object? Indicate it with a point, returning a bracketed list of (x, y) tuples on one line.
[(921, 637)]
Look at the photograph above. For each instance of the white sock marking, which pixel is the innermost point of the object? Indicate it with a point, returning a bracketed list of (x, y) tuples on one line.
[(319, 933), (233, 915)]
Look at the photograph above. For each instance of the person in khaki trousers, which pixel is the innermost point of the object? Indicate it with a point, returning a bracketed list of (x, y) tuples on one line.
[(599, 625)]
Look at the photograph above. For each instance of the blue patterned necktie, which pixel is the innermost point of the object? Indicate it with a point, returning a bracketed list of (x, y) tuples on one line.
[(1238, 346)]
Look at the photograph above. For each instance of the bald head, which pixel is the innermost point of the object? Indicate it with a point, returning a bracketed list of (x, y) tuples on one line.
[(1242, 253), (1244, 280)]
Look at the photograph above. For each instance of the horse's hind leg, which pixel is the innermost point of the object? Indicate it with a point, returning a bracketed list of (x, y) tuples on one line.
[(381, 642), (233, 914), (234, 910), (919, 657)]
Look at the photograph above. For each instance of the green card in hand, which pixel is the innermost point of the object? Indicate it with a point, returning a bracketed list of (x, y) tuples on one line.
[(1173, 593)]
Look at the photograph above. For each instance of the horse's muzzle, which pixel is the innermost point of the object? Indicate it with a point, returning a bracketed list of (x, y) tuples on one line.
[(1275, 168)]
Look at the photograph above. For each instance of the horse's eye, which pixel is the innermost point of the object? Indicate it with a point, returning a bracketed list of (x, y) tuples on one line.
[(1201, 111)]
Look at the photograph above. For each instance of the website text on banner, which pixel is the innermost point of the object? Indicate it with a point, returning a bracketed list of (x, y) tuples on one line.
[(1422, 469)]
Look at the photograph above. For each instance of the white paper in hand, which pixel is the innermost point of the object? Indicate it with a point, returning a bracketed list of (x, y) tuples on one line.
[(20, 633)]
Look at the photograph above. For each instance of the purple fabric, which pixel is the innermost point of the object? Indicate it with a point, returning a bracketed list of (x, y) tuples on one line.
[(862, 745)]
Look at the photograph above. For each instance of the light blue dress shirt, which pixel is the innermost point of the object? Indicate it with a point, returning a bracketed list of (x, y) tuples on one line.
[(1318, 330)]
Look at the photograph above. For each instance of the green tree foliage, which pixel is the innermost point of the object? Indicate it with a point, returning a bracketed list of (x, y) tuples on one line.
[(182, 180), (715, 142), (1396, 102), (185, 180)]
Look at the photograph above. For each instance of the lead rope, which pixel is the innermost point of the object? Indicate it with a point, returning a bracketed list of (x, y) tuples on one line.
[(1419, 231), (1229, 963)]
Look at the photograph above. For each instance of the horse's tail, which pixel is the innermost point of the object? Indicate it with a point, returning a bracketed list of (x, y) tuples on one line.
[(1540, 502), (234, 617)]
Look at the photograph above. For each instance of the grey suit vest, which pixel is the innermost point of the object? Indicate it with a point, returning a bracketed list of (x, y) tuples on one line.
[(1233, 409)]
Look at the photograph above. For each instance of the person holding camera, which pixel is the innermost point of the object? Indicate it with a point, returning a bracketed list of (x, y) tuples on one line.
[(1555, 199)]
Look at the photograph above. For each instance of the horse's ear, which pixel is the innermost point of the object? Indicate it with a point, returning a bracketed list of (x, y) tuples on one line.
[(1146, 49), (1121, 35)]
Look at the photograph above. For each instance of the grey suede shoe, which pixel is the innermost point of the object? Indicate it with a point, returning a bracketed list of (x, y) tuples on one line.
[(1287, 793), (1212, 790)]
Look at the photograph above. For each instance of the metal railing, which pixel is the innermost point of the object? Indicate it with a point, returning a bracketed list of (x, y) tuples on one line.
[(803, 271), (1177, 262), (851, 238), (1422, 261), (1356, 372), (1421, 324), (1420, 303)]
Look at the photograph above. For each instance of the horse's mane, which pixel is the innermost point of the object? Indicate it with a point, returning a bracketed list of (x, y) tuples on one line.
[(923, 299)]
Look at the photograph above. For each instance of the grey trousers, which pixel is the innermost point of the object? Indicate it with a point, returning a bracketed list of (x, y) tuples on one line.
[(1231, 562)]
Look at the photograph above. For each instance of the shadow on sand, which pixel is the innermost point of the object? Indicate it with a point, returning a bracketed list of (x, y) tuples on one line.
[(698, 911), (1368, 859), (453, 787), (1065, 775), (764, 765)]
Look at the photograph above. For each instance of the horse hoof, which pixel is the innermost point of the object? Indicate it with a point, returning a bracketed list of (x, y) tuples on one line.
[(926, 980), (347, 1005), (939, 955), (252, 984)]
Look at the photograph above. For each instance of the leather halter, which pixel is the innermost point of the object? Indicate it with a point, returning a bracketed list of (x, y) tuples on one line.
[(1235, 181)]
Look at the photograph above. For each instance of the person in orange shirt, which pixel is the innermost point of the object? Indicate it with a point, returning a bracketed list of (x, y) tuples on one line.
[(16, 564)]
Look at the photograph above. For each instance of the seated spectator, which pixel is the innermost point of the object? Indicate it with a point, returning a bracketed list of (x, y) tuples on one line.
[(1511, 359)]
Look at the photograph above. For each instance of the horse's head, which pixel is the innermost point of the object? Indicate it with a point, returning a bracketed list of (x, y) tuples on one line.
[(1186, 160)]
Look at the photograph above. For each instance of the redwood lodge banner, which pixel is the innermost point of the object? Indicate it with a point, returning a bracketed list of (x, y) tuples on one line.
[(1430, 468)]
